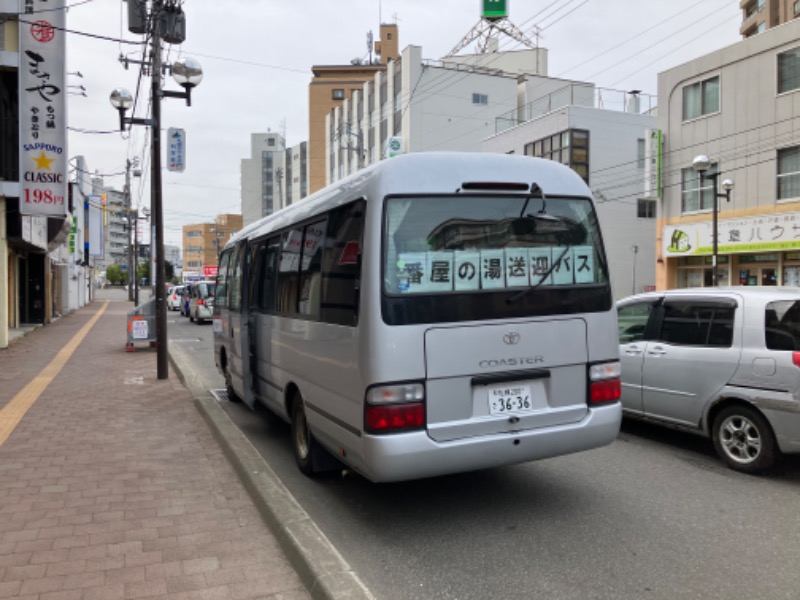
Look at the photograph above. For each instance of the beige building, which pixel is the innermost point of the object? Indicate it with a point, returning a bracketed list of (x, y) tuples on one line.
[(202, 243), (738, 106), (330, 87), (760, 15)]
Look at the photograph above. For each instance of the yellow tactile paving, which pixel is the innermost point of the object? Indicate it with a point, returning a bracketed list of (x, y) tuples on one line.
[(13, 412)]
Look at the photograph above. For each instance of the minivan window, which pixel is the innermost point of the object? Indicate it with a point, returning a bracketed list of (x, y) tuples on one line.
[(632, 321), (689, 323), (782, 325)]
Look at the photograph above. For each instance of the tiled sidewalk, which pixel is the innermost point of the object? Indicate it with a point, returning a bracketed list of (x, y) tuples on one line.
[(112, 486)]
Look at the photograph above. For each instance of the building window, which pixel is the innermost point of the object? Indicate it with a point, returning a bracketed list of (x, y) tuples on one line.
[(701, 98), (194, 233), (696, 196), (796, 7), (646, 209), (482, 99), (338, 94), (271, 141), (789, 173), (789, 70), (569, 147), (640, 151)]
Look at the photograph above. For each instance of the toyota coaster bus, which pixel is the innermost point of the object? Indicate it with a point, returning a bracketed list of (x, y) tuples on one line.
[(430, 314)]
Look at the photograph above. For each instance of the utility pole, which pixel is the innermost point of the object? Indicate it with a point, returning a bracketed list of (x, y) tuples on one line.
[(131, 223), (188, 73), (162, 364)]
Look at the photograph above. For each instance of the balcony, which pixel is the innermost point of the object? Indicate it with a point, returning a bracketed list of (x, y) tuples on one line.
[(578, 95)]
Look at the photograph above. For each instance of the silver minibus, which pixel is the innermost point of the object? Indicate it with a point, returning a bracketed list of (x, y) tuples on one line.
[(430, 314)]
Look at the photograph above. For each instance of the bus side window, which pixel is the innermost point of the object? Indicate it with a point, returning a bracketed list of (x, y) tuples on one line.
[(269, 274), (235, 281), (341, 264), (288, 270), (310, 266), (255, 269), (222, 280)]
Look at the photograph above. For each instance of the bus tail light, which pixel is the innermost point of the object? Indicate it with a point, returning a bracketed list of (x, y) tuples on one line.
[(605, 384), (395, 408)]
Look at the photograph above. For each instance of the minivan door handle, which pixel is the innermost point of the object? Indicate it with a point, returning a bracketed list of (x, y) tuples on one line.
[(657, 351), (632, 350)]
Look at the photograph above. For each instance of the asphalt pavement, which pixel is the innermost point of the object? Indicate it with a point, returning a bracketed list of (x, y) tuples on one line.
[(115, 484)]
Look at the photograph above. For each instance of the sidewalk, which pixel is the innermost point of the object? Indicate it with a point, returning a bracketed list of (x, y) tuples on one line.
[(111, 483)]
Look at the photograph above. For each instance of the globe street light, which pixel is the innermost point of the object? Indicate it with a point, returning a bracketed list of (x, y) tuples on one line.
[(188, 73), (701, 164)]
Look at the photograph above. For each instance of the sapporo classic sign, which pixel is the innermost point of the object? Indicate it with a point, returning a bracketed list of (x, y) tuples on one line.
[(42, 108)]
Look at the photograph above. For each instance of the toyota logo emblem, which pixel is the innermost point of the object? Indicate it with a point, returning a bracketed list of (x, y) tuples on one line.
[(512, 338)]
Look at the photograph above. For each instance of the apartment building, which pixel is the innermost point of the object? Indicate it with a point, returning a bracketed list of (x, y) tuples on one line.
[(273, 177), (760, 15), (331, 86), (738, 107), (202, 243)]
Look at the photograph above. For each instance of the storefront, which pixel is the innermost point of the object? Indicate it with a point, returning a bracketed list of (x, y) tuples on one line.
[(760, 250)]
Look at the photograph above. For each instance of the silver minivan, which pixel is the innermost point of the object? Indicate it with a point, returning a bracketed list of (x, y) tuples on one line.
[(724, 362), (201, 300)]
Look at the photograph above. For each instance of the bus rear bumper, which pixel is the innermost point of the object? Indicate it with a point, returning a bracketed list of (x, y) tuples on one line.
[(415, 455)]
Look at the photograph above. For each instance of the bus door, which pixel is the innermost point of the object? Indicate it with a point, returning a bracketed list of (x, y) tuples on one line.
[(239, 329)]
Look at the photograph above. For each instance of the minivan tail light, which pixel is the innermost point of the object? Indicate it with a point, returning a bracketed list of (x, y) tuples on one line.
[(200, 302), (796, 359), (605, 383)]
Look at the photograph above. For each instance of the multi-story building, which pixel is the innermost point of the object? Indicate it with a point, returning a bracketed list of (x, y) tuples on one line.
[(417, 106), (330, 87), (36, 269), (601, 135), (738, 107), (202, 243), (114, 204), (760, 15), (273, 177)]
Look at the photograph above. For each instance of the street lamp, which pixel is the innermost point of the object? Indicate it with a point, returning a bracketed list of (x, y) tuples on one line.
[(188, 74), (701, 164)]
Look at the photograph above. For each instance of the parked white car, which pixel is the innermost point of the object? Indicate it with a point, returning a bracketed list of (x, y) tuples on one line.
[(723, 362)]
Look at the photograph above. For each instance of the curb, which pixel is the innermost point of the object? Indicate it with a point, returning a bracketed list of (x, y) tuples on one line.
[(325, 573)]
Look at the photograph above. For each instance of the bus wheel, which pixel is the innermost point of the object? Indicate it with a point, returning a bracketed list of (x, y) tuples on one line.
[(232, 397), (310, 456), (302, 441)]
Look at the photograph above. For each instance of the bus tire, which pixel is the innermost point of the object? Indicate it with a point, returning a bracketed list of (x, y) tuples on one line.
[(310, 456), (232, 397)]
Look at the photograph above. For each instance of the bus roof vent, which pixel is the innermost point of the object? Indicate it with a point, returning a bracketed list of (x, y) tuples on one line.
[(506, 186)]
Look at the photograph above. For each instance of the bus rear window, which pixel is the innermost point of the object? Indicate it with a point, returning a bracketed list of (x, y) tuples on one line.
[(441, 244)]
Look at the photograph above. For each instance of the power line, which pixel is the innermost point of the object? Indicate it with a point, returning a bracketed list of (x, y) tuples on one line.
[(85, 34)]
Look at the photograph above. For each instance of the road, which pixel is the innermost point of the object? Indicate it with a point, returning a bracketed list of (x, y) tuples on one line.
[(655, 515)]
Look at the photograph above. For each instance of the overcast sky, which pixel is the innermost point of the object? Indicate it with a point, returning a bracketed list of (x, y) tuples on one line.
[(257, 57)]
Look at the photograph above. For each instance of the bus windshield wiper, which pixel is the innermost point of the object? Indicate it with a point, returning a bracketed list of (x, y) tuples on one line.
[(522, 293)]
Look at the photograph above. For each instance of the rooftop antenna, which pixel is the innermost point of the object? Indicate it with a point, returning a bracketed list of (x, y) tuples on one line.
[(369, 45), (486, 33)]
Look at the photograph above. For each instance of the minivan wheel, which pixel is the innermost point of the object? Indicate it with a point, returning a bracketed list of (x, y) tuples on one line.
[(744, 439)]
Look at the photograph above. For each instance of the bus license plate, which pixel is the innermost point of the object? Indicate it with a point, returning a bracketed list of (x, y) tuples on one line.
[(510, 399)]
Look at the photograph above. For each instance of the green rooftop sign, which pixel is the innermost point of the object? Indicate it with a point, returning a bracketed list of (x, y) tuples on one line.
[(494, 9)]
